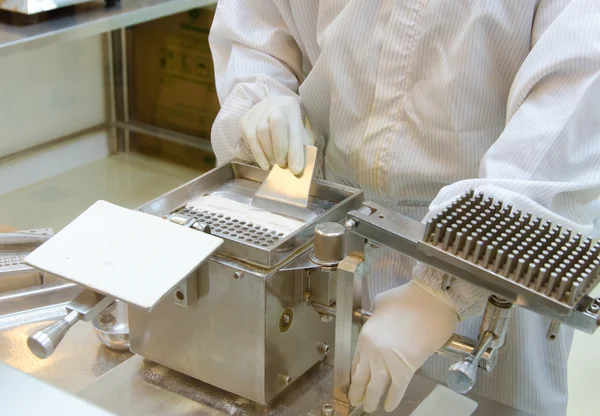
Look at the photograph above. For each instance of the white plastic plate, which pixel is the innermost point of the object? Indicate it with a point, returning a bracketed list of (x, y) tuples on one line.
[(130, 255)]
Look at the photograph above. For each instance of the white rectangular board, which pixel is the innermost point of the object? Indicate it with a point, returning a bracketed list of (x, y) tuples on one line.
[(130, 255)]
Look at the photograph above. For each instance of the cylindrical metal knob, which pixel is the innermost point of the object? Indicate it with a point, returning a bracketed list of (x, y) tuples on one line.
[(44, 342), (327, 410), (461, 375), (330, 245)]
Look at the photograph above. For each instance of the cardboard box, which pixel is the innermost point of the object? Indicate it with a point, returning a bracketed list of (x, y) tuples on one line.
[(173, 74), (173, 152), (173, 83)]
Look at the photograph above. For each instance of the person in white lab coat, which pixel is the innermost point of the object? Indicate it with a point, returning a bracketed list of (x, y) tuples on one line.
[(415, 102)]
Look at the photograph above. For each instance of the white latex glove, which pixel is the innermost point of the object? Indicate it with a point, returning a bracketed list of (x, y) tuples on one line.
[(274, 132), (407, 326)]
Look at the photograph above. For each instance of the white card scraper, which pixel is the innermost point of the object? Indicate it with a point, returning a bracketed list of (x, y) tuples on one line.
[(285, 193)]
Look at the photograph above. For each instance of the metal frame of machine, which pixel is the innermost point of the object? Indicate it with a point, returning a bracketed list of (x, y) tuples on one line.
[(278, 301)]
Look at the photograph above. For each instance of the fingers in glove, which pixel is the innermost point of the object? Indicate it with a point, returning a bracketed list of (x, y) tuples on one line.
[(395, 393), (360, 380), (263, 132), (296, 145), (248, 127), (280, 137), (401, 375), (355, 360), (380, 380)]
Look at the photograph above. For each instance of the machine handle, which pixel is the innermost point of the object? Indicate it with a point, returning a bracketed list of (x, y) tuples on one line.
[(43, 343), (461, 375)]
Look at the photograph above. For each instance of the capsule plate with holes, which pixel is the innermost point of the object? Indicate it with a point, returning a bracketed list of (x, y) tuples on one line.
[(249, 239)]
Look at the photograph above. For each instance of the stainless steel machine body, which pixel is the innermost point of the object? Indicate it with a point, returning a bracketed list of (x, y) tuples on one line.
[(247, 329), (268, 306)]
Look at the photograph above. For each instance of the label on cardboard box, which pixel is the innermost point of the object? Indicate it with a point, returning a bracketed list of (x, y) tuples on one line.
[(173, 76), (187, 98)]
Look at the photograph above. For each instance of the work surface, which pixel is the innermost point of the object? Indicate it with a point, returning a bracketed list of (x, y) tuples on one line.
[(127, 385)]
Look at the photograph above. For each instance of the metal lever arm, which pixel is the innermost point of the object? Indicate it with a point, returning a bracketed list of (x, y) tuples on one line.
[(84, 307), (462, 375), (43, 343)]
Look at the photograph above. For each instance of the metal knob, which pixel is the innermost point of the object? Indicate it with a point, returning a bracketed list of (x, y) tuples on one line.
[(84, 307), (461, 375), (44, 342), (329, 246)]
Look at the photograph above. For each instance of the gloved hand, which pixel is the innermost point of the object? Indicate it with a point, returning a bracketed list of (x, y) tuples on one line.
[(274, 132), (407, 326)]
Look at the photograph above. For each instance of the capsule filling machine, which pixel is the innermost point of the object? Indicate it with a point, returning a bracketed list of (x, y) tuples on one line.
[(268, 306)]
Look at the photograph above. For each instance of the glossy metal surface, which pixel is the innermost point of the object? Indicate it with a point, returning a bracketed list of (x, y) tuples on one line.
[(329, 244), (79, 361), (43, 342), (284, 193), (112, 328), (29, 299), (349, 279), (85, 307), (139, 388), (239, 181), (135, 387), (246, 330), (496, 319), (462, 375), (23, 241), (87, 20), (14, 273), (401, 233)]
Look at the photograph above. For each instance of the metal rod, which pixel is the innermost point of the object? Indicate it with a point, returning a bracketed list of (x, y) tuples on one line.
[(167, 135), (125, 86), (345, 330), (553, 330)]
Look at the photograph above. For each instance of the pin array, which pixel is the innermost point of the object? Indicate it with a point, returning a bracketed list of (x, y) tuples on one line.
[(545, 257)]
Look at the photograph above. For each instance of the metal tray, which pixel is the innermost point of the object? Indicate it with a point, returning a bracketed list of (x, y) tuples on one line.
[(239, 181)]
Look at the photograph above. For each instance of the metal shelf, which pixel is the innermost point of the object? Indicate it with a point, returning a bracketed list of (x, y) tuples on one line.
[(87, 20)]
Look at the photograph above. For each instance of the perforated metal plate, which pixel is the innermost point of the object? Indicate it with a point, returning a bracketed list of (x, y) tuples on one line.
[(12, 262), (235, 228)]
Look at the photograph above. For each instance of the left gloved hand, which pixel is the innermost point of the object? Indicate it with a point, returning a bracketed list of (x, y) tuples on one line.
[(408, 325)]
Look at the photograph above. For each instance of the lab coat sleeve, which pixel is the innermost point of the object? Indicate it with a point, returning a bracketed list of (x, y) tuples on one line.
[(547, 159), (254, 55)]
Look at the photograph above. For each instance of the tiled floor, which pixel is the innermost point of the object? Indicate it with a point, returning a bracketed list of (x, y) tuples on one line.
[(130, 180)]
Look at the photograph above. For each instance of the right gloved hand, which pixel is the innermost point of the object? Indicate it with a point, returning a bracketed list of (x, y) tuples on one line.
[(408, 325), (274, 132)]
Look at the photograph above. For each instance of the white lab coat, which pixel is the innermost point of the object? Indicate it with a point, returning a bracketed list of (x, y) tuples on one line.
[(417, 101)]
